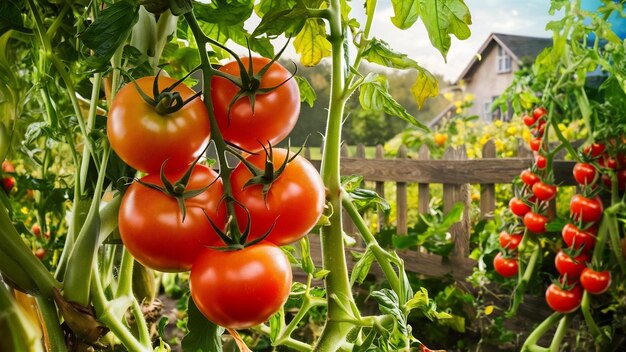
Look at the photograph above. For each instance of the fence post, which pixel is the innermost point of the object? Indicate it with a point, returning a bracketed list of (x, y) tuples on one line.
[(488, 190), (380, 189), (423, 189), (453, 194), (401, 199)]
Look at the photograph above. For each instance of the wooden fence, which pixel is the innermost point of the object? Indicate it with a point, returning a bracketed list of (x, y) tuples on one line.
[(456, 173)]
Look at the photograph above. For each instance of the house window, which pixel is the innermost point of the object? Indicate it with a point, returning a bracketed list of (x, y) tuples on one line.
[(488, 115), (504, 61)]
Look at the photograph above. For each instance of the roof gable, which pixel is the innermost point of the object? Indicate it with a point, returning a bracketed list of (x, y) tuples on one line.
[(517, 46)]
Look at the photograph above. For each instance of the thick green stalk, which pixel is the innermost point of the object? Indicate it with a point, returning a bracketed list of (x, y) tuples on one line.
[(337, 281), (531, 342), (53, 325), (524, 278), (560, 332), (291, 343)]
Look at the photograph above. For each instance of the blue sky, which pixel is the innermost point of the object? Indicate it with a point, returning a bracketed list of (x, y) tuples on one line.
[(522, 17)]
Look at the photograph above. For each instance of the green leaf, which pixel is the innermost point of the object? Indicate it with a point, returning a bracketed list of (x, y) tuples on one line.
[(276, 324), (405, 12), (366, 198), (109, 31), (405, 241), (307, 93), (307, 262), (222, 33), (452, 217), (443, 18), (378, 52), (277, 21), (426, 86), (11, 18), (388, 303), (426, 305), (362, 267), (203, 335), (374, 96), (311, 42), (226, 12)]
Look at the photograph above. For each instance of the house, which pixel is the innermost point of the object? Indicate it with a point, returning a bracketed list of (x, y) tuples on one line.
[(491, 71)]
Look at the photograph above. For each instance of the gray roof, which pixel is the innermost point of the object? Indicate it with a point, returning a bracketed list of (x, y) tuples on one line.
[(518, 46)]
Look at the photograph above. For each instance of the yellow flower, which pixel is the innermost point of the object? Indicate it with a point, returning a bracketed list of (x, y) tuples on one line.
[(24, 210), (499, 145), (449, 96), (471, 124), (469, 97), (526, 135), (511, 131), (497, 123)]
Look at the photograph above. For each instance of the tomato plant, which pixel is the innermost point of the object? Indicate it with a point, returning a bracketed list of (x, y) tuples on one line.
[(510, 241), (529, 178), (535, 222), (543, 191), (242, 288), (518, 207), (249, 117), (577, 238), (585, 173), (569, 265), (288, 206), (595, 282), (146, 135), (152, 226)]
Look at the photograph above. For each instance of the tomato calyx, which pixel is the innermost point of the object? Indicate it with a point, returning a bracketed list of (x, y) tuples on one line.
[(166, 101)]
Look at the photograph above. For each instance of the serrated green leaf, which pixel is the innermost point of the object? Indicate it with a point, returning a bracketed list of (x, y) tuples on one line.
[(225, 12), (443, 18), (311, 42), (203, 335), (405, 12), (388, 303), (11, 18), (236, 33), (374, 96), (109, 31), (307, 93), (378, 52), (426, 86), (282, 20)]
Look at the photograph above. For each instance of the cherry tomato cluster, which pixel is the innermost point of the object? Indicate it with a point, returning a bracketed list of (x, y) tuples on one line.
[(177, 217), (8, 181)]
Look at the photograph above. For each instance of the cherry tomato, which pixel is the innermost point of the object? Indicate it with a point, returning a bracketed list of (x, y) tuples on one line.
[(570, 266), (541, 162), (535, 144), (539, 112), (40, 253), (584, 173), (293, 204), (36, 230), (585, 209), (595, 282), (506, 267), (239, 289), (275, 113), (144, 138), (151, 224), (440, 138), (518, 207), (528, 177), (8, 166), (621, 180), (535, 222), (594, 150), (543, 191), (8, 183), (529, 120), (607, 162), (564, 301), (510, 241), (577, 238)]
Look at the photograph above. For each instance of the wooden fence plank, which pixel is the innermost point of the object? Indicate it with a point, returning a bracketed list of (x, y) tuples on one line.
[(423, 189), (454, 193), (488, 190), (348, 224), (380, 189), (401, 200)]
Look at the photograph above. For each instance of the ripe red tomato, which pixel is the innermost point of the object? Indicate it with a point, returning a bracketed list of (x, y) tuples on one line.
[(151, 224), (239, 289), (564, 301), (8, 183), (293, 204), (535, 222), (594, 150), (40, 253), (595, 282), (144, 138), (535, 144), (510, 241), (570, 266), (528, 177), (541, 162), (621, 180), (607, 162), (585, 173), (585, 209), (275, 113), (543, 191), (539, 112), (506, 267), (529, 120), (577, 238), (518, 207)]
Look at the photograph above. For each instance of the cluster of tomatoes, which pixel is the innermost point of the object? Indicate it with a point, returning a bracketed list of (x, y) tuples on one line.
[(184, 216)]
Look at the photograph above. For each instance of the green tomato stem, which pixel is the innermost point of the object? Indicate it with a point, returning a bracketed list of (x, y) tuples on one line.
[(560, 332), (290, 342), (53, 326), (524, 278), (531, 342), (125, 280)]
